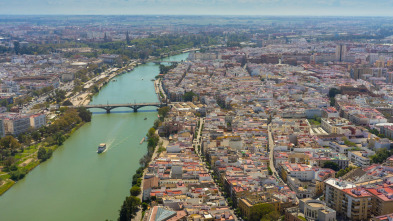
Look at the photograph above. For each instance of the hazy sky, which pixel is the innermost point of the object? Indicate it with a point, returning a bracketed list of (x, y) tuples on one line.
[(211, 7)]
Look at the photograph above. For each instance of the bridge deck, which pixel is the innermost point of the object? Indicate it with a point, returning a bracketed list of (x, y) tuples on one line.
[(122, 105)]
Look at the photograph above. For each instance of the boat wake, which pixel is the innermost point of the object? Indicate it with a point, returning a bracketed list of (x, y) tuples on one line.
[(114, 144)]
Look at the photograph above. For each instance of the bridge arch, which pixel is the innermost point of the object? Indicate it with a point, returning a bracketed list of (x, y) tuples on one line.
[(135, 106)]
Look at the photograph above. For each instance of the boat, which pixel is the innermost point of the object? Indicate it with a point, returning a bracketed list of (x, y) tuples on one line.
[(145, 118), (128, 69), (152, 79), (114, 80), (143, 139), (142, 79), (101, 148)]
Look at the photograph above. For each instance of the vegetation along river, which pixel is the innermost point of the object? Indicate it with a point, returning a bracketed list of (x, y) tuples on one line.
[(79, 184)]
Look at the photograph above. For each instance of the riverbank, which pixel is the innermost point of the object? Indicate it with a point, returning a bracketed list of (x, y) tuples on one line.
[(100, 81), (27, 164), (155, 146), (90, 181), (162, 143)]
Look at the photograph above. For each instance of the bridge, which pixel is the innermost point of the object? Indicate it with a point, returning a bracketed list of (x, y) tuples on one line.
[(135, 106), (169, 62)]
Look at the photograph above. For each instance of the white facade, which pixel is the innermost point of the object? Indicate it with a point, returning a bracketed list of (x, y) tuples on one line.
[(360, 158), (37, 120)]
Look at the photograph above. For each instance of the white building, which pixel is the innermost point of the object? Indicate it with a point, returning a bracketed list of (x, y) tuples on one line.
[(37, 120), (360, 158)]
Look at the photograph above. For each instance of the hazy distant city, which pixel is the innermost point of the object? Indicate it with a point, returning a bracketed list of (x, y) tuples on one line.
[(198, 117)]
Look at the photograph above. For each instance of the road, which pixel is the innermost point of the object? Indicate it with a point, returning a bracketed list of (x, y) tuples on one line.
[(271, 157), (271, 149), (165, 143), (196, 143), (197, 140), (271, 154), (68, 87)]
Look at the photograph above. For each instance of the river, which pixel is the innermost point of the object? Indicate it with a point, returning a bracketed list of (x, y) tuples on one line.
[(77, 183)]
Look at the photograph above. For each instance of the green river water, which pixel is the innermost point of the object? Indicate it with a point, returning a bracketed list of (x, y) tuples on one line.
[(79, 184)]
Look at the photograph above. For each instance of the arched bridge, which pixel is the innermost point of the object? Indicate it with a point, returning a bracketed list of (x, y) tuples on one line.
[(135, 106), (169, 62)]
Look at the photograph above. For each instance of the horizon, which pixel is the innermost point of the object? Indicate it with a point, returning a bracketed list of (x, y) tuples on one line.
[(347, 8), (223, 15)]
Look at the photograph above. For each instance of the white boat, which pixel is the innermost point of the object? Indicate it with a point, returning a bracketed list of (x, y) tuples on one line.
[(101, 148)]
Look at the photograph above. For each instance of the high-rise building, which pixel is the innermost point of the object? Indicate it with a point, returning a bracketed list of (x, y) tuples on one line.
[(341, 52)]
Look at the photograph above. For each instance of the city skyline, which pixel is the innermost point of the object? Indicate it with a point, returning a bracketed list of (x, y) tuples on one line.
[(200, 7)]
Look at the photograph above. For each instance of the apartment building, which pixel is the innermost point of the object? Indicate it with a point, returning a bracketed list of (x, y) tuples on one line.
[(248, 203), (330, 112), (382, 199), (2, 131), (316, 210), (37, 120), (333, 125), (301, 171), (349, 201), (359, 158), (15, 124)]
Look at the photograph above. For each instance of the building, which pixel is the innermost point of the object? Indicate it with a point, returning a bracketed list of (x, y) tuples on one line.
[(382, 200), (248, 203), (2, 132), (330, 112), (37, 120), (359, 158), (387, 217), (332, 125), (148, 185), (316, 210), (110, 58), (15, 124), (341, 52), (301, 171), (349, 201), (339, 146)]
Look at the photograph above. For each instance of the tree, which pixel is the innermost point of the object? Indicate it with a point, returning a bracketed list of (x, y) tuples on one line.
[(163, 111), (135, 191), (381, 155), (67, 103), (269, 171), (58, 96), (188, 96), (129, 208), (59, 138), (16, 47), (333, 92), (44, 154), (17, 175), (9, 142), (342, 172), (8, 162), (41, 154), (22, 138), (144, 205), (156, 124), (332, 165), (84, 114), (128, 38), (151, 132), (36, 136), (272, 216), (260, 211)]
